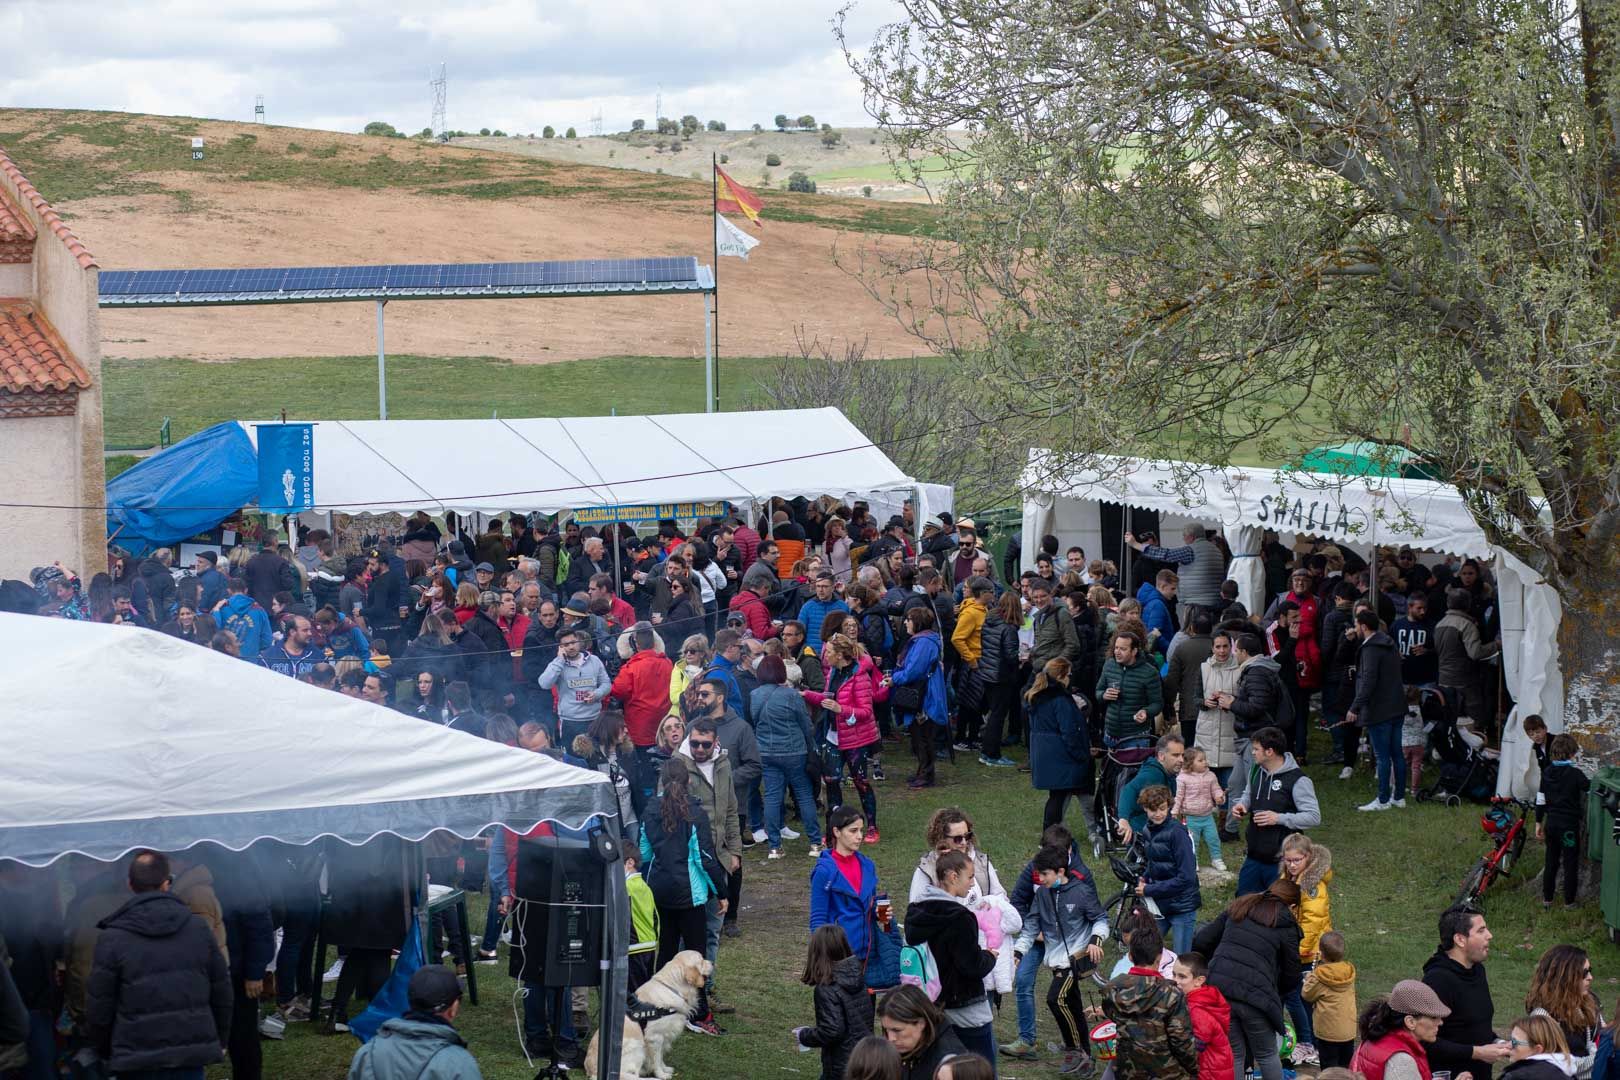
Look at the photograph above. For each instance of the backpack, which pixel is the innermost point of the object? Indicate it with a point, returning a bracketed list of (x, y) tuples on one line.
[(562, 564), (1285, 706), (917, 968)]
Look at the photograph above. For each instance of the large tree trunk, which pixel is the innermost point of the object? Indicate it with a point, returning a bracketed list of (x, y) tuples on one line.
[(1589, 656)]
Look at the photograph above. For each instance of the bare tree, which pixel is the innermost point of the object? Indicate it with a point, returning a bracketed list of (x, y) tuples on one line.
[(911, 409)]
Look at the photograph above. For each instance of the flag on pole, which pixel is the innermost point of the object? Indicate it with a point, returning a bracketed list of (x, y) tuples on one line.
[(731, 197), (730, 240)]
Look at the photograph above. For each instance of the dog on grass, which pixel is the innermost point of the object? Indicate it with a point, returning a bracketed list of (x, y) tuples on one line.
[(656, 1017)]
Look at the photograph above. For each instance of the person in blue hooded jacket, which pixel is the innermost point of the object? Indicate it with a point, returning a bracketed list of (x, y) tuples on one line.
[(844, 883), (244, 618), (919, 665), (1171, 875)]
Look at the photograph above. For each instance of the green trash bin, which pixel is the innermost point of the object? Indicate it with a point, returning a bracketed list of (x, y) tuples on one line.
[(1599, 822), (1602, 811)]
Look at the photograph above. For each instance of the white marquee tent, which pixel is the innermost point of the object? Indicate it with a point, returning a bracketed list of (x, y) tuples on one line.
[(119, 739), (1359, 511), (551, 464)]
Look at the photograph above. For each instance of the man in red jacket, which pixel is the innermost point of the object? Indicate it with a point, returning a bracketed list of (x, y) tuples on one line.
[(750, 601), (642, 686)]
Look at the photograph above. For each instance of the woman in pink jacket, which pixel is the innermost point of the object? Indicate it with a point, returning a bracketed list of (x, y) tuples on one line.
[(846, 721)]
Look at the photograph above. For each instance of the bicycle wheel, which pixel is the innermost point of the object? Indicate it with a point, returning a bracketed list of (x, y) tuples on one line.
[(1474, 884), (1510, 857)]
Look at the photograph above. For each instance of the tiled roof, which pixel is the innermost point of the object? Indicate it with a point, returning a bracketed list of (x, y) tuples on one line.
[(14, 228), (32, 357), (28, 192)]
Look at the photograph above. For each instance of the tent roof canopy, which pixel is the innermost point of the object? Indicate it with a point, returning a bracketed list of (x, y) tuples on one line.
[(551, 464), (172, 745), (1356, 509)]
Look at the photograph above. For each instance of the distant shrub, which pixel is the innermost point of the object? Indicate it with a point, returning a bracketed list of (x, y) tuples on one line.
[(548, 132), (295, 148), (638, 125), (675, 146), (483, 131), (830, 138), (378, 127), (571, 134), (725, 159), (758, 129), (866, 191), (801, 182), (717, 125), (498, 133), (773, 159)]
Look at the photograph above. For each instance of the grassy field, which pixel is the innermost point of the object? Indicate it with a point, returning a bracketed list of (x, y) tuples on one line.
[(140, 393), (1394, 872)]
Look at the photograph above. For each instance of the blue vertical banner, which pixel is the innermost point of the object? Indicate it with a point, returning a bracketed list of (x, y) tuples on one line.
[(286, 468)]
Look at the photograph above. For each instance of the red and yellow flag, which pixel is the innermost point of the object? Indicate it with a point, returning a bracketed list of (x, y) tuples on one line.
[(731, 197)]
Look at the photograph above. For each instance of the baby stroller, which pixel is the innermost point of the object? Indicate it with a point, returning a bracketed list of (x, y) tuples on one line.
[(1467, 769), (1120, 764)]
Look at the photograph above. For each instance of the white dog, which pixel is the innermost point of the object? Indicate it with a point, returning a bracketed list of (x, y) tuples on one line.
[(670, 995)]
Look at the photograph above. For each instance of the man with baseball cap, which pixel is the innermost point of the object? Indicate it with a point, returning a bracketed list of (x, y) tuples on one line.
[(423, 1044)]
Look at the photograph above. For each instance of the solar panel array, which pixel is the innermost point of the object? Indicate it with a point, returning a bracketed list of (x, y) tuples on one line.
[(582, 277)]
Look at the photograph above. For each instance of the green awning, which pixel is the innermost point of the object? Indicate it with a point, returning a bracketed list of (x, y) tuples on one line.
[(1368, 459)]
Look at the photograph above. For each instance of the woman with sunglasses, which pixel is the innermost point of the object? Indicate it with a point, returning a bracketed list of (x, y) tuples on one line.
[(690, 661), (1561, 989), (950, 829), (1536, 1051)]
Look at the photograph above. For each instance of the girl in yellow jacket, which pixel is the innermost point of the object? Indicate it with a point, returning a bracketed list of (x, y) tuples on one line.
[(1310, 866)]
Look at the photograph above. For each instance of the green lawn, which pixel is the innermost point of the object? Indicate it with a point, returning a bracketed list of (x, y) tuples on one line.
[(140, 393), (1394, 872)]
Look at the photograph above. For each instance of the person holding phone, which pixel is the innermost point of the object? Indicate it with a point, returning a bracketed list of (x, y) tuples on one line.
[(847, 721)]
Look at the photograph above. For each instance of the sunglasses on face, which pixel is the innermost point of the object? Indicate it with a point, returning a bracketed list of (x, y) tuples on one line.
[(693, 652), (701, 745), (964, 838)]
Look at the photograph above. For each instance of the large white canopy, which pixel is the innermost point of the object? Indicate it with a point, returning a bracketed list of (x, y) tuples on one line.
[(551, 464), (1360, 511), (118, 738)]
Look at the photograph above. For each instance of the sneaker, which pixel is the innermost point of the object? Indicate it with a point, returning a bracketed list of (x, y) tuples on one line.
[(1399, 804), (1305, 1054), (705, 1026), (295, 1011), (877, 771), (333, 972), (790, 834), (774, 853), (815, 851), (1075, 1063), (1347, 772), (335, 1027), (872, 836), (1219, 864), (488, 956), (1375, 805), (730, 929), (759, 836), (748, 841), (917, 782), (506, 936), (272, 1026), (1020, 1049), (998, 763), (964, 747)]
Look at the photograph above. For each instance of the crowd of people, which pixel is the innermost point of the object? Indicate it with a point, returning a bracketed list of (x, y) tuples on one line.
[(731, 678)]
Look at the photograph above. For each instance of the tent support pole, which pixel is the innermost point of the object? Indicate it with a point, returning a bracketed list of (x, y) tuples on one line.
[(382, 367), (615, 969), (618, 579)]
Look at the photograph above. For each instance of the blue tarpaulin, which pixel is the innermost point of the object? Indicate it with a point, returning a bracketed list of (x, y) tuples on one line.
[(185, 490)]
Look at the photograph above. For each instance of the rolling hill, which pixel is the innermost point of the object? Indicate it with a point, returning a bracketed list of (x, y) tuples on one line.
[(279, 196)]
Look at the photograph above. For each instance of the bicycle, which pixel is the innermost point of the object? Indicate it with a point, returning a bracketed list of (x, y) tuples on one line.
[(1124, 903), (1508, 834)]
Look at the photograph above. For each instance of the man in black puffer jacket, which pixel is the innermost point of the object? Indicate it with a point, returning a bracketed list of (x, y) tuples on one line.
[(159, 995), (940, 921)]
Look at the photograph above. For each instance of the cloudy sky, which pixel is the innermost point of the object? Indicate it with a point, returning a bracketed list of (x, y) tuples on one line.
[(513, 64)]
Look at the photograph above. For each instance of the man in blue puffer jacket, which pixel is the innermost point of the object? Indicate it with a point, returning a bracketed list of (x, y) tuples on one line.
[(244, 618)]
